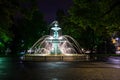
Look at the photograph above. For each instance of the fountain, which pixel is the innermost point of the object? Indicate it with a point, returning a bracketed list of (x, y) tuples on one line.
[(55, 47)]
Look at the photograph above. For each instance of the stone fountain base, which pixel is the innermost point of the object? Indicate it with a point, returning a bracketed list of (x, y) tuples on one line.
[(39, 57)]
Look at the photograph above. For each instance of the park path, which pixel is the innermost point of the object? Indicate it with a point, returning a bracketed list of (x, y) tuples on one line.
[(18, 70)]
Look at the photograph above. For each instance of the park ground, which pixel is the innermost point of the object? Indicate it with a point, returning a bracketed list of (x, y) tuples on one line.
[(89, 70)]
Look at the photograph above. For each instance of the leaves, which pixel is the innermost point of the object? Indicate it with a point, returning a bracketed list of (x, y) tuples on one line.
[(93, 21), (21, 22)]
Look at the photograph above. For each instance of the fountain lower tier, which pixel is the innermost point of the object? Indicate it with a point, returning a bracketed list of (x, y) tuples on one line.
[(61, 57)]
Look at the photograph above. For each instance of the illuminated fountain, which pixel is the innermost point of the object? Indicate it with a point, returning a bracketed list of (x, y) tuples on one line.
[(55, 44)]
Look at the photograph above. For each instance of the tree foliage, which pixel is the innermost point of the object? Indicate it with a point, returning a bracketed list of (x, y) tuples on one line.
[(20, 22), (92, 22), (29, 26), (29, 31), (7, 10), (101, 16)]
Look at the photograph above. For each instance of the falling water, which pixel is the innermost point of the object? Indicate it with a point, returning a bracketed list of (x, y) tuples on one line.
[(55, 43)]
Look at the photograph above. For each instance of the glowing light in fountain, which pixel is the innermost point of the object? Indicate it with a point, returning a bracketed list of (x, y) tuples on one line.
[(55, 43)]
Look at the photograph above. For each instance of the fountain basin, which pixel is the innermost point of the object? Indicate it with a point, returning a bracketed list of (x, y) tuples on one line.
[(61, 57)]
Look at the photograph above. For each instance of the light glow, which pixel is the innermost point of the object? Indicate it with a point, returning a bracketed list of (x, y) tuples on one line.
[(55, 44)]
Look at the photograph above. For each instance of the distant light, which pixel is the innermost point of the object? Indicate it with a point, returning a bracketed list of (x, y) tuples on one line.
[(117, 52), (113, 41), (117, 38), (114, 60)]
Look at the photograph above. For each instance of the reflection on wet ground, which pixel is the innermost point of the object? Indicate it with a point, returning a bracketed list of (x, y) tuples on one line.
[(13, 69)]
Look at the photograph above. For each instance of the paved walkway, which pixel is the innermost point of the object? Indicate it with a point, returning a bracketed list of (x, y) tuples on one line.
[(59, 71)]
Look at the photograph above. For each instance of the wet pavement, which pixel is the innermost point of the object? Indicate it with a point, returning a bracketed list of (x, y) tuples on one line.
[(12, 69)]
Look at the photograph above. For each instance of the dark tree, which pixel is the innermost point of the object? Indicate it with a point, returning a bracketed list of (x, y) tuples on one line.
[(29, 26), (8, 8), (21, 24), (92, 22)]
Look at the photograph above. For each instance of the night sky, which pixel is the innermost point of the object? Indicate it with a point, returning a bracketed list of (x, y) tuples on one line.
[(49, 8)]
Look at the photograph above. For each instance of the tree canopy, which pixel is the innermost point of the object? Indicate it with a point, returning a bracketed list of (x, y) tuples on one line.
[(21, 23), (92, 22)]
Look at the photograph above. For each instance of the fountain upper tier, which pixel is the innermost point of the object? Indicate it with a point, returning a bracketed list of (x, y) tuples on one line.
[(55, 30), (55, 26)]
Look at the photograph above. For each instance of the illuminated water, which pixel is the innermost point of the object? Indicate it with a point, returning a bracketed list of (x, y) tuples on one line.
[(56, 43)]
